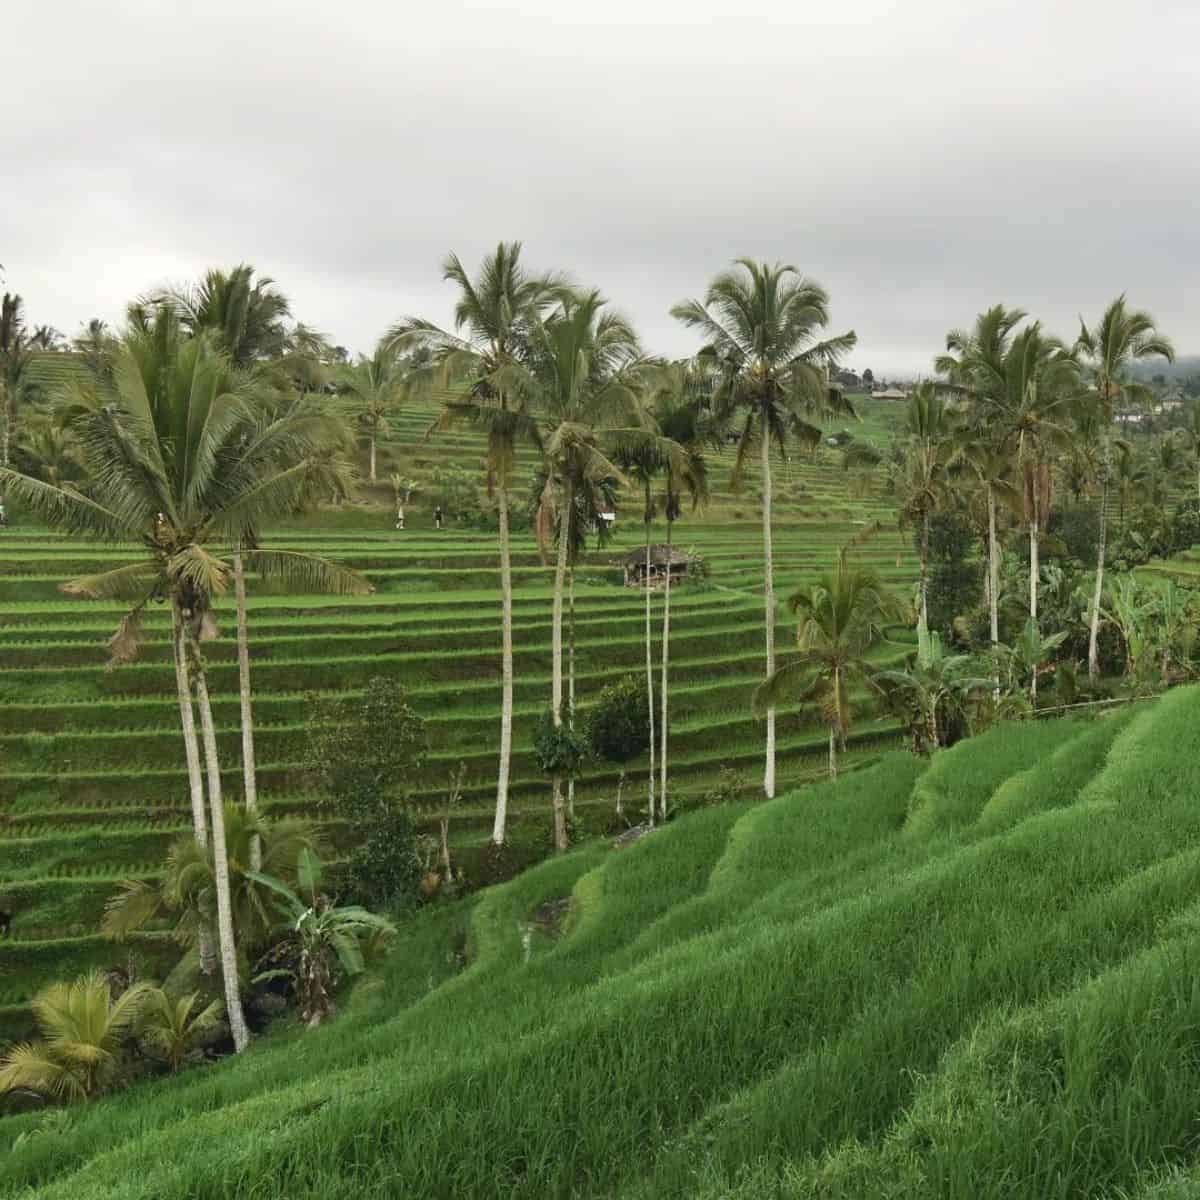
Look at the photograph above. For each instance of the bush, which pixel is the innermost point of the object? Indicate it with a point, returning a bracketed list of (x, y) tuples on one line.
[(384, 871)]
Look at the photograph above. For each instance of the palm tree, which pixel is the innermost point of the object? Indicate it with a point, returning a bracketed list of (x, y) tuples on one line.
[(760, 324), (178, 461), (1020, 386), (95, 343), (679, 401), (1132, 475), (842, 615), (16, 353), (376, 386), (1119, 338), (494, 319), (1191, 433), (82, 1030), (172, 1028), (928, 451), (186, 891), (46, 338), (245, 314), (976, 452), (584, 374)]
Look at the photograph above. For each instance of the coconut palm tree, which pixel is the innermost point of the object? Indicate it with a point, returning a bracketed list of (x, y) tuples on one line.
[(172, 1028), (246, 315), (679, 398), (179, 462), (375, 386), (584, 376), (185, 893), (761, 324), (95, 343), (1119, 338), (82, 1030), (494, 319), (841, 616), (16, 353), (929, 448)]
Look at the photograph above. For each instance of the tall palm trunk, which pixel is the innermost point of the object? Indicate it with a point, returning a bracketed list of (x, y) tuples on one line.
[(556, 665), (226, 938), (1034, 567), (649, 667), (191, 746), (372, 463), (993, 582), (925, 567), (249, 774), (571, 677), (1094, 630), (666, 649), (506, 668), (769, 609), (191, 750)]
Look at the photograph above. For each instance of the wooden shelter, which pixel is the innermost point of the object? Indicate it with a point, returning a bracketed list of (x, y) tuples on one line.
[(664, 560)]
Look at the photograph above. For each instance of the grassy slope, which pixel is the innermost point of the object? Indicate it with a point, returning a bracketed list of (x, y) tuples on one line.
[(974, 981)]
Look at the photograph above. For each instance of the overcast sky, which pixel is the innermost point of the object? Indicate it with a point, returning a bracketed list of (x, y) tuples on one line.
[(920, 159)]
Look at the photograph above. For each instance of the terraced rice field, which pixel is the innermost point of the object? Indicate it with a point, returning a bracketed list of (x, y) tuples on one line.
[(92, 781), (972, 978)]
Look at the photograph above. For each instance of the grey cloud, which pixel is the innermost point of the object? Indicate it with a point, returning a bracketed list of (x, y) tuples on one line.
[(922, 159)]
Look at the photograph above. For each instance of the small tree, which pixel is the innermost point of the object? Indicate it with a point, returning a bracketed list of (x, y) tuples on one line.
[(618, 727), (364, 749), (363, 752)]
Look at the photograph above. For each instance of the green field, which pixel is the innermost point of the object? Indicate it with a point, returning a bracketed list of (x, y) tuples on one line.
[(92, 780), (973, 978)]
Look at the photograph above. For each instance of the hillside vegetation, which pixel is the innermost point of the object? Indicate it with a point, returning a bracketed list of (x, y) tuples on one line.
[(93, 786), (972, 977)]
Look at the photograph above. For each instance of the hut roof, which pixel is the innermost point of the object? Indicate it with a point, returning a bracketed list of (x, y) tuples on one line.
[(660, 554)]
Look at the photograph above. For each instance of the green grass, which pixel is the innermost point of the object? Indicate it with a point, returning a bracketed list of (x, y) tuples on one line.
[(975, 978)]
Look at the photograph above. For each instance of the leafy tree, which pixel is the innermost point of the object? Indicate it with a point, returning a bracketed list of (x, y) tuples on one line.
[(82, 1030), (761, 324), (868, 378), (841, 616), (1120, 338), (330, 937), (363, 750), (618, 726), (47, 339), (495, 318)]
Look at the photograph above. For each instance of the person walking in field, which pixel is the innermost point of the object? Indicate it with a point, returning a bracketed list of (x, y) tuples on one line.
[(437, 517)]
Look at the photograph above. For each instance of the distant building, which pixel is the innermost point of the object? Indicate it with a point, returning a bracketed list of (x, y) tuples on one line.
[(890, 393), (664, 559)]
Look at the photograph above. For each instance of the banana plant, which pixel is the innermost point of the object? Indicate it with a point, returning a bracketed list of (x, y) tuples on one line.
[(329, 936)]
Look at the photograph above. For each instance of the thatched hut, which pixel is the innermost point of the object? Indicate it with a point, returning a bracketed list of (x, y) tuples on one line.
[(664, 560)]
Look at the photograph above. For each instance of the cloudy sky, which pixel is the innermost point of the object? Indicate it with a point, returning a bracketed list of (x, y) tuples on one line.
[(922, 159)]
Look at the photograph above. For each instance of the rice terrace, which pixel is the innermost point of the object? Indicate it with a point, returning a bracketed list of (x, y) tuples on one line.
[(703, 711)]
